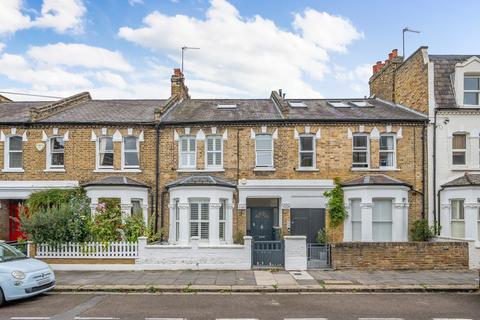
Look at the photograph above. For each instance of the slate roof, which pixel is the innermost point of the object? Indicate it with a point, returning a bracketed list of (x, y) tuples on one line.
[(444, 68), (375, 180), (196, 110), (379, 110), (116, 181), (468, 179), (18, 111), (201, 180)]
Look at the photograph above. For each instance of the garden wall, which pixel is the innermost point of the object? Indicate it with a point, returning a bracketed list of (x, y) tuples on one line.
[(196, 256), (400, 255)]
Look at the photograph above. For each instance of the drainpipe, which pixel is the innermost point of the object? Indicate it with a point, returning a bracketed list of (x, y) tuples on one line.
[(424, 184), (434, 156), (157, 173)]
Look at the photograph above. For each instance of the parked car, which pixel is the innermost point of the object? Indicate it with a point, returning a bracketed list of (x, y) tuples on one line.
[(22, 277)]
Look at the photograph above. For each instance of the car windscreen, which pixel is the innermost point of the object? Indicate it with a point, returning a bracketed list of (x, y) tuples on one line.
[(9, 253)]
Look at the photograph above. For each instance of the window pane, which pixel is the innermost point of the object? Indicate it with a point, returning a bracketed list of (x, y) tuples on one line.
[(359, 157), (57, 144), (386, 159), (130, 143), (221, 231), (386, 143), (218, 158), (193, 211), (210, 144), (57, 159), (15, 143), (263, 142), (193, 229), (106, 159), (306, 143), (458, 212), (210, 158), (184, 144), (264, 158), (459, 158), (470, 98), (382, 231), (359, 141), (471, 83), (15, 160), (204, 230), (204, 213), (106, 144), (192, 144), (356, 212), (459, 141), (306, 159), (131, 158)]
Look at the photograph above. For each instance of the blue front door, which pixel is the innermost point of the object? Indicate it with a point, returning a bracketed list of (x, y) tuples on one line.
[(261, 223)]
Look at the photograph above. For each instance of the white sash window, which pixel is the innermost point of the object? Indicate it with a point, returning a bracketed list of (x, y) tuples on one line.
[(14, 153), (307, 151), (214, 152), (382, 220), (264, 150), (188, 152), (199, 219), (459, 149), (356, 219), (361, 151), (130, 152), (458, 218), (387, 151), (105, 152)]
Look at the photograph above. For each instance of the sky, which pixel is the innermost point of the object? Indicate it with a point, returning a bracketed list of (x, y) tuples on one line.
[(122, 49)]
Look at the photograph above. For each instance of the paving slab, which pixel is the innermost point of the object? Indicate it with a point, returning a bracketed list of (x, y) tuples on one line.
[(284, 279), (264, 278)]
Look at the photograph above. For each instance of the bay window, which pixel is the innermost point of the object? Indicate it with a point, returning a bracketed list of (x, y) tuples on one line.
[(199, 219), (14, 153), (382, 220), (264, 150), (361, 151), (457, 218), (214, 152), (307, 151), (356, 219), (130, 152), (56, 153), (105, 152), (188, 152), (387, 151), (471, 87), (459, 149)]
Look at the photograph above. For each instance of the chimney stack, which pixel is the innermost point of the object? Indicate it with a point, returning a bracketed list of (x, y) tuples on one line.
[(392, 56), (178, 87)]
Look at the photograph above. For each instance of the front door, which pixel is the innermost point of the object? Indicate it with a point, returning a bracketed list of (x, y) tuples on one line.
[(307, 222), (261, 220), (14, 211)]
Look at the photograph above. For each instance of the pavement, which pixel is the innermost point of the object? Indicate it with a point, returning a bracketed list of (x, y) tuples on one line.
[(267, 281), (242, 306)]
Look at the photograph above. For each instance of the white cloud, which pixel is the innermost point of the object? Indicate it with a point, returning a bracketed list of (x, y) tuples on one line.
[(17, 68), (11, 17), (2, 46), (246, 56), (135, 2), (60, 15), (79, 55), (357, 78), (111, 78), (325, 30)]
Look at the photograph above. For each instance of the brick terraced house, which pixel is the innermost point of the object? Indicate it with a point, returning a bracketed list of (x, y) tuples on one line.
[(218, 169), (446, 88)]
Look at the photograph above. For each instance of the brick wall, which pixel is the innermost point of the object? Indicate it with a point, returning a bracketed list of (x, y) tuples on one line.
[(404, 82), (333, 158), (400, 256)]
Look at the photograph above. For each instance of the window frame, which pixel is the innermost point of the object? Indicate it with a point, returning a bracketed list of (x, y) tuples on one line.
[(477, 92), (390, 222), (458, 220), (366, 150), (313, 151), (140, 201), (7, 151), (199, 221), (223, 207), (392, 151), (207, 152), (176, 218), (271, 150), (102, 167), (124, 150), (189, 138), (50, 152), (464, 151), (352, 221)]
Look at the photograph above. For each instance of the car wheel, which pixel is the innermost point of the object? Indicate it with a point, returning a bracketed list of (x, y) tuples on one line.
[(2, 298)]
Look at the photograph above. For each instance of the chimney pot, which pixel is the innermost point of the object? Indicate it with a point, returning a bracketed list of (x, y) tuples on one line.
[(390, 56), (177, 72), (394, 53)]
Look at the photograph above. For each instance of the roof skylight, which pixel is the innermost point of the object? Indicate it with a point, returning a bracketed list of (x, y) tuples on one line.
[(226, 106), (338, 104), (361, 104), (297, 104)]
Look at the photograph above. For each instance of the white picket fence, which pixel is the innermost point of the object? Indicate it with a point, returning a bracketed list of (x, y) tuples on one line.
[(89, 250)]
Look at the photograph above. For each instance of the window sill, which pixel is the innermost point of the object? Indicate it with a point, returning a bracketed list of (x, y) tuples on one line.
[(464, 169), (131, 170), (307, 169), (375, 169), (202, 170), (264, 169), (54, 170), (13, 170)]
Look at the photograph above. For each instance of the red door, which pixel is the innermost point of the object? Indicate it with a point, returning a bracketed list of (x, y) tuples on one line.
[(15, 232)]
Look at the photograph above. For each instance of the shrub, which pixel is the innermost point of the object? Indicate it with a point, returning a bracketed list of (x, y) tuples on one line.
[(42, 200), (322, 236), (421, 231), (134, 227), (336, 206), (106, 225)]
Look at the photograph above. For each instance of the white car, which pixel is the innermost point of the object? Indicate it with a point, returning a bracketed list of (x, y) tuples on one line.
[(22, 277)]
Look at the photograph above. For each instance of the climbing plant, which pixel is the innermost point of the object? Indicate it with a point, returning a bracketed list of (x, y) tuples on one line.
[(336, 205)]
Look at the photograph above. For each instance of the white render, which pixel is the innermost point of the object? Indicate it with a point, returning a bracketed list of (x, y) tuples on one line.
[(295, 253), (214, 194), (195, 256), (125, 193), (23, 189), (366, 194)]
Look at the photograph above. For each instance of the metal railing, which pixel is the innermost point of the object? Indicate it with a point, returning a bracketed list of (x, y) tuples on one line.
[(318, 256)]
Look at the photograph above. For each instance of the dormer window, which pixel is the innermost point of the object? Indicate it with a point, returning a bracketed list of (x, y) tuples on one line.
[(471, 94)]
